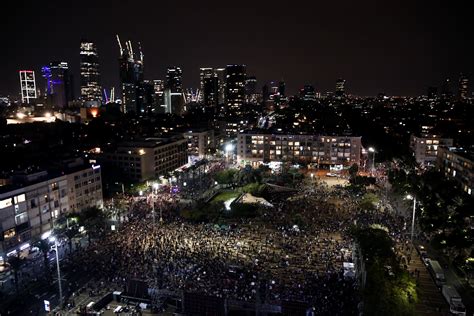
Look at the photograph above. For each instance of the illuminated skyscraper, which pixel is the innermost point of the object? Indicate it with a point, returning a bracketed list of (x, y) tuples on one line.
[(340, 88), (205, 73), (308, 93), (174, 79), (220, 73), (446, 92), (235, 76), (131, 78), (463, 86), (251, 95), (27, 86), (210, 91), (174, 98), (91, 92), (59, 84)]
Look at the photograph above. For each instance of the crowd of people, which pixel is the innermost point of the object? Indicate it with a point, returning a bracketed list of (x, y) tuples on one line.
[(292, 252)]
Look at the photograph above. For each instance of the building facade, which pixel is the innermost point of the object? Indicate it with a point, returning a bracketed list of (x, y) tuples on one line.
[(131, 78), (59, 84), (340, 88), (458, 165), (463, 87), (27, 86), (425, 148), (30, 206), (255, 148), (235, 76), (200, 142), (91, 92), (149, 158)]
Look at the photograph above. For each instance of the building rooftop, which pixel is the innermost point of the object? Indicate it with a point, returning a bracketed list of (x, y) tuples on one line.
[(23, 178), (150, 142), (465, 153), (280, 131)]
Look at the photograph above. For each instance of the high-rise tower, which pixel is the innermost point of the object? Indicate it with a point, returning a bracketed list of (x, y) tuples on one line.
[(340, 88), (91, 92), (59, 84), (463, 86), (235, 76), (131, 78), (27, 86)]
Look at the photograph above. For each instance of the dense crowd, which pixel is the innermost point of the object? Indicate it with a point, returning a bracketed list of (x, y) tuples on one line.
[(268, 259)]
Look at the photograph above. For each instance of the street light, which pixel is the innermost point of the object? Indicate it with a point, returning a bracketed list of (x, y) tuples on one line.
[(155, 187), (372, 150), (55, 248), (228, 149), (411, 197)]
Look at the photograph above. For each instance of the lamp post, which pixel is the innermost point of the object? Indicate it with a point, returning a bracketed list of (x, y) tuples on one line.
[(372, 150), (410, 197), (228, 149), (56, 250), (153, 197)]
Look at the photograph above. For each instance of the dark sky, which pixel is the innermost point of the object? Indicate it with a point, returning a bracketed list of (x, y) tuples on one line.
[(398, 48)]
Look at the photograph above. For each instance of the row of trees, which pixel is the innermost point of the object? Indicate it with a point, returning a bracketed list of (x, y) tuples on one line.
[(444, 211), (389, 289)]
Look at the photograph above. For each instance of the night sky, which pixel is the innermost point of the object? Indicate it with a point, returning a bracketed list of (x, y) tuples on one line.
[(398, 48)]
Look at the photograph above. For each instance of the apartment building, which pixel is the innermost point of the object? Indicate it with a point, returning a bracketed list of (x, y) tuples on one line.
[(254, 148), (31, 203), (148, 158), (425, 148), (200, 142), (457, 164)]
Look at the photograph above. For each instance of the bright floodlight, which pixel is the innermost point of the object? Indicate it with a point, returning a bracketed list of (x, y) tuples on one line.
[(229, 147), (20, 115), (409, 197), (155, 186), (47, 115), (371, 149), (46, 235)]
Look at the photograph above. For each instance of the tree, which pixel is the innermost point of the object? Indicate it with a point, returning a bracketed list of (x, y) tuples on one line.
[(70, 233), (44, 247), (15, 263), (353, 171), (225, 176), (93, 220)]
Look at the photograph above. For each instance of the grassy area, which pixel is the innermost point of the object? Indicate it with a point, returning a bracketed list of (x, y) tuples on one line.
[(224, 196)]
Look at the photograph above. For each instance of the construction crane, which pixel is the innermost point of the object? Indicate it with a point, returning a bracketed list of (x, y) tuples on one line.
[(120, 45)]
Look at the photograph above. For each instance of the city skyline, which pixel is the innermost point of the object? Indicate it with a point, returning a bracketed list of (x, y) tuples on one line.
[(402, 55)]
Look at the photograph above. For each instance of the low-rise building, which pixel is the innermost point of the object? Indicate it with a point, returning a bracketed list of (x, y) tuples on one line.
[(148, 158), (31, 203), (457, 164), (257, 147), (425, 148)]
